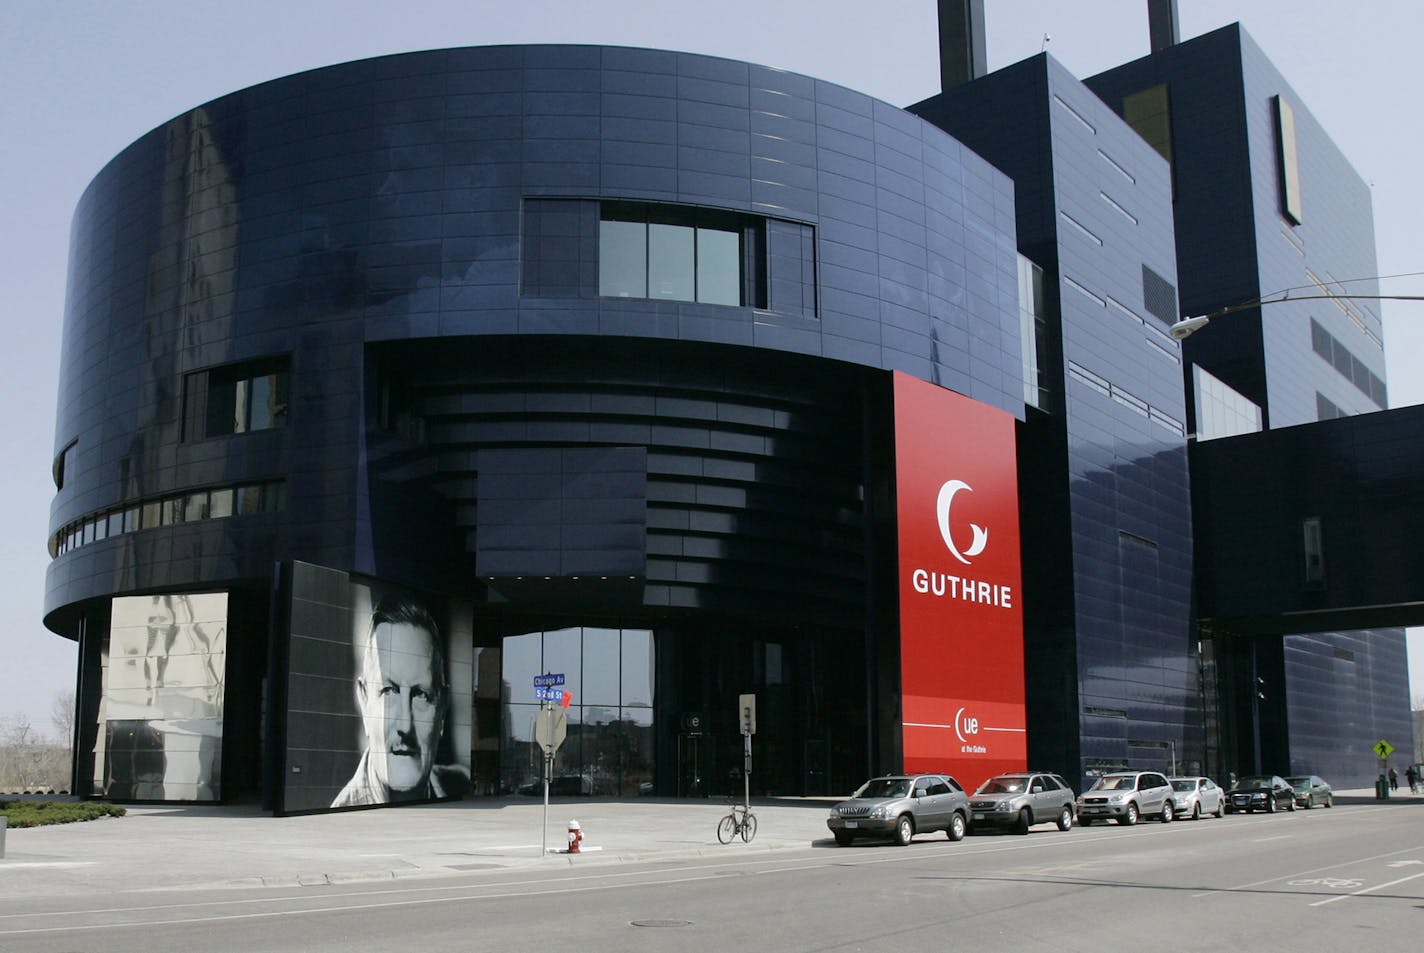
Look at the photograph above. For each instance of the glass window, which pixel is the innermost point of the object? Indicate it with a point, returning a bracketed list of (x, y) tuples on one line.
[(523, 659), (719, 267), (1221, 410), (622, 259), (670, 262), (220, 504), (1288, 166), (116, 522), (638, 668), (1149, 113), (195, 507), (239, 399), (674, 253), (561, 654), (131, 520), (601, 660)]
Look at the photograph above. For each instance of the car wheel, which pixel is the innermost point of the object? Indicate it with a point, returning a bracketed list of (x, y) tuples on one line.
[(1329, 800), (1220, 808), (844, 838), (1065, 819), (1309, 801), (957, 827), (1130, 818), (1196, 811), (904, 830), (1271, 805), (1290, 805), (1021, 825), (1168, 812)]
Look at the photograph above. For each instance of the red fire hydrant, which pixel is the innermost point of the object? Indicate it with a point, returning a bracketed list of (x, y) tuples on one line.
[(575, 837)]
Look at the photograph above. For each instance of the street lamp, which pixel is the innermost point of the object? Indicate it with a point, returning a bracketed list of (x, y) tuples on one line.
[(1188, 326)]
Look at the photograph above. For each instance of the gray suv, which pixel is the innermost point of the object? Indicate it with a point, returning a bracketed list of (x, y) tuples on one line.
[(901, 806), (1018, 801), (1127, 796)]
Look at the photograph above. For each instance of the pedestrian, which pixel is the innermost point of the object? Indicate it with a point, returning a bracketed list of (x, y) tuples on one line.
[(1393, 779), (1412, 777)]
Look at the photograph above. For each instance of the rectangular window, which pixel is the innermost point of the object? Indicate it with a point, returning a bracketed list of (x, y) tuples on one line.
[(1033, 335), (622, 259), (1287, 165), (238, 398), (671, 262), (671, 253), (1149, 113)]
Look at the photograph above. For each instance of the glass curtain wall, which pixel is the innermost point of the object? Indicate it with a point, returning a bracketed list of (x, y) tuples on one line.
[(609, 746)]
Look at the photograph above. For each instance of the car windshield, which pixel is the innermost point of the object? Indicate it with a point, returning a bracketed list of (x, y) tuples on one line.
[(1124, 783), (883, 788), (1298, 782), (1002, 786), (1254, 783), (1184, 784)]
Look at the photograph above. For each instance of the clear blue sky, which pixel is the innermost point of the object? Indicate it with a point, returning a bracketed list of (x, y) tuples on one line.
[(80, 79)]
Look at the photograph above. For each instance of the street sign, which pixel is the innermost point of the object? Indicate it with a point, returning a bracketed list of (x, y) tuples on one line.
[(548, 680), (550, 695), (551, 726), (746, 705), (1383, 748)]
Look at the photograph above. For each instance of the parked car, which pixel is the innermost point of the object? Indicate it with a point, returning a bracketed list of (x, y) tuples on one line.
[(1260, 792), (1193, 797), (1125, 797), (1018, 801), (1311, 790), (901, 806)]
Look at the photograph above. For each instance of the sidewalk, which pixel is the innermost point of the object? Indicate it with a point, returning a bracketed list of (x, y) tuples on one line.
[(158, 846)]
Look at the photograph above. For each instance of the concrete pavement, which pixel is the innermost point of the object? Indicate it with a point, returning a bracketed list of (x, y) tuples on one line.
[(189, 846), (164, 847)]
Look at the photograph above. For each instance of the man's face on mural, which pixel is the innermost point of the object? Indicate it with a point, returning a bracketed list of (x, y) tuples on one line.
[(402, 707)]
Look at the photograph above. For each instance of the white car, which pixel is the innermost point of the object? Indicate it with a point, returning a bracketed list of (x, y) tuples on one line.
[(1194, 797), (1125, 797)]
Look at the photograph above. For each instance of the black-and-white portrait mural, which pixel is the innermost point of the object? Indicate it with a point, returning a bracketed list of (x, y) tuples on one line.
[(161, 708), (378, 704), (402, 692)]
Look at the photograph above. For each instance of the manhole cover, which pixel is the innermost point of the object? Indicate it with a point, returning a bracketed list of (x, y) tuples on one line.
[(661, 923)]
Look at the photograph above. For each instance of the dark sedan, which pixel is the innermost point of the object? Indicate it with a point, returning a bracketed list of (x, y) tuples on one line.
[(1261, 792)]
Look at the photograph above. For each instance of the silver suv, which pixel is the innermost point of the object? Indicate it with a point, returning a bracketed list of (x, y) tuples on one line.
[(1125, 797), (1018, 801), (901, 806)]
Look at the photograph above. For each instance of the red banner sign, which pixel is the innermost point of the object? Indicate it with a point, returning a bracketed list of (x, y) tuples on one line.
[(961, 617)]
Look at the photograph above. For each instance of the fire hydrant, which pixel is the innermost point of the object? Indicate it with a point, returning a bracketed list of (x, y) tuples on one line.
[(575, 837)]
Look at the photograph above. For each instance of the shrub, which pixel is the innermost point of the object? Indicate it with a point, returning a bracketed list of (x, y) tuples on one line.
[(35, 813)]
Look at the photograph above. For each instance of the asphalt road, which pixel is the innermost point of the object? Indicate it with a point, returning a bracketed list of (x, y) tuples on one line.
[(1347, 878)]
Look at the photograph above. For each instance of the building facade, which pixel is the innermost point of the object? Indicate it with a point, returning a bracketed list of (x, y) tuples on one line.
[(414, 406)]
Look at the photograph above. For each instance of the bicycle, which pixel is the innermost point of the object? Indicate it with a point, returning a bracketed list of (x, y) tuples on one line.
[(741, 822)]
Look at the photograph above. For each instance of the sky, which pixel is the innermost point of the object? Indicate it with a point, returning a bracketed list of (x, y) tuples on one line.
[(81, 79)]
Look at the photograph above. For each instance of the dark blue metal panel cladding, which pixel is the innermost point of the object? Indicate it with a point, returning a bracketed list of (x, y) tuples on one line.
[(1110, 662), (381, 201)]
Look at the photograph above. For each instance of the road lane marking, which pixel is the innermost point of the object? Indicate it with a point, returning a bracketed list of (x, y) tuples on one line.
[(1365, 890), (1303, 873)]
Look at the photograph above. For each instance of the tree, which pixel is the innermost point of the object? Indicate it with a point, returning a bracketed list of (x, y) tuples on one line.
[(61, 712)]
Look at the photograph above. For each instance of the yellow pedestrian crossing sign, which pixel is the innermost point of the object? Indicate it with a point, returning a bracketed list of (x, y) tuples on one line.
[(1383, 748)]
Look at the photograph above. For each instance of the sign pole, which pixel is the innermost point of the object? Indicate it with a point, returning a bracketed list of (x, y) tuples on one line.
[(550, 727), (544, 836)]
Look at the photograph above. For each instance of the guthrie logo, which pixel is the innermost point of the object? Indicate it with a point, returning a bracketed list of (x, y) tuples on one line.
[(942, 504), (943, 584)]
